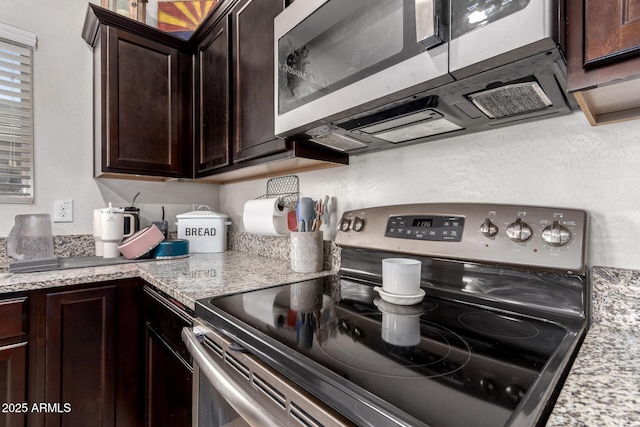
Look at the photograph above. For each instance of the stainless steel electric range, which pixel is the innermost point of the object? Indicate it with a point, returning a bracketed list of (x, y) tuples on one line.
[(507, 306)]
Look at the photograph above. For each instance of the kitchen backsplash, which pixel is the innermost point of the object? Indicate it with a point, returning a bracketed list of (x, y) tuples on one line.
[(65, 246), (277, 247)]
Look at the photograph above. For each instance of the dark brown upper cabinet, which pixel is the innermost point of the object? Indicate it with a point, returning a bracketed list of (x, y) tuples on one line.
[(236, 69), (234, 75), (252, 61), (603, 58), (200, 108), (213, 101), (141, 99)]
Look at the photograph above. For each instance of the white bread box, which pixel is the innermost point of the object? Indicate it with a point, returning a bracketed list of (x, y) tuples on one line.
[(205, 230)]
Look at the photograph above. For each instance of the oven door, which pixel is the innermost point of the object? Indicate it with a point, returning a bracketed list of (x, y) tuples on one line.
[(232, 388), (488, 33), (333, 56)]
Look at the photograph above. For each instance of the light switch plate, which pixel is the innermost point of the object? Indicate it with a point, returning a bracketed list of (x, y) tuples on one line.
[(63, 210)]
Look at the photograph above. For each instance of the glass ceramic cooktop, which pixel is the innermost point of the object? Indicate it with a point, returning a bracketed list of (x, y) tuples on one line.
[(436, 363)]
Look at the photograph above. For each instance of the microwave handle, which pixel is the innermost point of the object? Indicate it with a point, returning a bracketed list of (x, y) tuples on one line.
[(245, 405), (429, 32)]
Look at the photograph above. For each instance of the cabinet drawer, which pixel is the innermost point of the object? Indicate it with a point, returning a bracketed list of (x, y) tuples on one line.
[(13, 318), (167, 321)]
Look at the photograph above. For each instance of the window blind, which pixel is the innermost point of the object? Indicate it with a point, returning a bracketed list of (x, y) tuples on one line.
[(16, 115)]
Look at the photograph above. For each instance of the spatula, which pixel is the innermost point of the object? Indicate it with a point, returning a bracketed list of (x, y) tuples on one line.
[(306, 213)]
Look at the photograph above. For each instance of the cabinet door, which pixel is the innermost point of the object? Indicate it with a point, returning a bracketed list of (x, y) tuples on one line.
[(79, 356), (253, 84), (13, 378), (168, 369), (169, 385), (212, 100), (13, 361), (141, 106), (612, 30)]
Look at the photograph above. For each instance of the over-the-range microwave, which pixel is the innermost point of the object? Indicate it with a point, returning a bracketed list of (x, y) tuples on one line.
[(360, 75)]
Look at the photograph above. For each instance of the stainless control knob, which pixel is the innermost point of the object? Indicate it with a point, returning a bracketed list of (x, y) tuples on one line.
[(345, 224), (488, 228), (556, 234), (519, 231), (358, 224)]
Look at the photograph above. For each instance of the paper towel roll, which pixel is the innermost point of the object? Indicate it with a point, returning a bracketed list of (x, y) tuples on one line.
[(265, 216)]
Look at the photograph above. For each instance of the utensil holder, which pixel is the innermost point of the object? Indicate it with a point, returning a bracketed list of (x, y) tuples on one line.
[(307, 252)]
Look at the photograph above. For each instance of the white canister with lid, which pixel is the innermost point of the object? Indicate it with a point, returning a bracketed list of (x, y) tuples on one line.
[(205, 230)]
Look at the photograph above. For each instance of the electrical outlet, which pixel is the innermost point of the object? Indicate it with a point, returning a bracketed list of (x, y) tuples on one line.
[(63, 210)]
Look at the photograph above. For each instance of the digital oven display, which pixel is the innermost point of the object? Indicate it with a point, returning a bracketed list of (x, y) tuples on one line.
[(421, 227), (423, 222)]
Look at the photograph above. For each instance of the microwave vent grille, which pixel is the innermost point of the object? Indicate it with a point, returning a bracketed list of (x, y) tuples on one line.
[(511, 100), (338, 142)]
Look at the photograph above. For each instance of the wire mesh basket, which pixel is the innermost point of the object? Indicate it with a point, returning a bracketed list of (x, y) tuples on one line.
[(287, 188)]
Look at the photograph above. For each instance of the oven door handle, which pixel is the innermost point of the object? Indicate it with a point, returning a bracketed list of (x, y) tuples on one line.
[(245, 405), (429, 31)]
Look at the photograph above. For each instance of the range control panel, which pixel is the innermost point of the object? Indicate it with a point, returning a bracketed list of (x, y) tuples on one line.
[(546, 238), (424, 227)]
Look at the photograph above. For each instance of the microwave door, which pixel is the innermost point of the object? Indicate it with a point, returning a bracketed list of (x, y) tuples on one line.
[(488, 33), (334, 56)]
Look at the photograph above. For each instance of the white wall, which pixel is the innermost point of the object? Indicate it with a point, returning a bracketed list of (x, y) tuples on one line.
[(64, 128), (560, 162)]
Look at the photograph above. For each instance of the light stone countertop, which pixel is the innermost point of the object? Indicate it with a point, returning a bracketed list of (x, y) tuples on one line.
[(186, 279), (602, 389)]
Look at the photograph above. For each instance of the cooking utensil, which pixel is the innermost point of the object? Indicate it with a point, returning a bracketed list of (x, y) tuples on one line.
[(306, 213), (292, 221), (325, 212), (299, 218)]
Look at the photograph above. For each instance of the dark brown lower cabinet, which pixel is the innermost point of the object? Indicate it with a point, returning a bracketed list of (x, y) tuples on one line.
[(168, 385), (13, 361), (86, 360), (168, 365), (80, 334), (13, 378), (98, 355)]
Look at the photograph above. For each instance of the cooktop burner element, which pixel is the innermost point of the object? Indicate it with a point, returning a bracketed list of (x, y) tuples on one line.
[(498, 326), (394, 349), (496, 332)]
